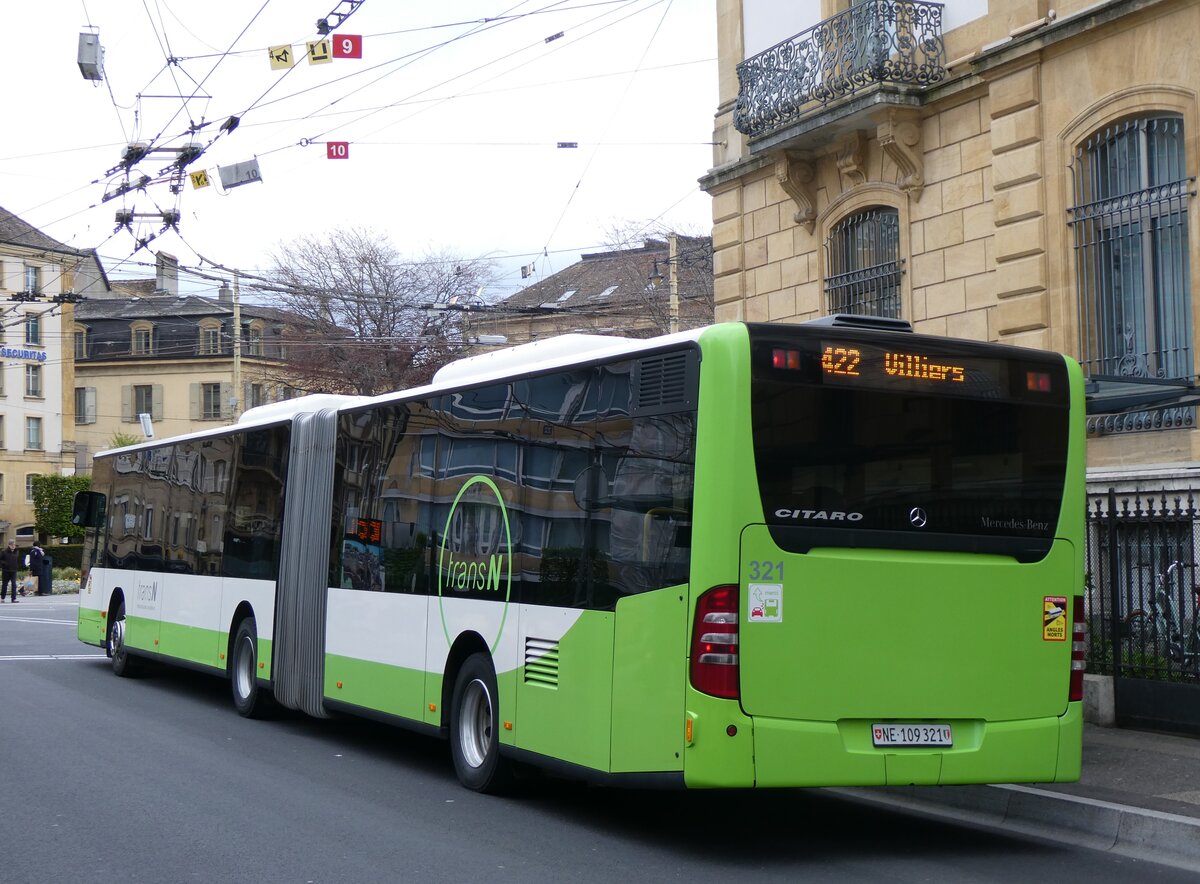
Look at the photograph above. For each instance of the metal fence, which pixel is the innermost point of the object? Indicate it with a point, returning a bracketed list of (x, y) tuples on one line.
[(1143, 605)]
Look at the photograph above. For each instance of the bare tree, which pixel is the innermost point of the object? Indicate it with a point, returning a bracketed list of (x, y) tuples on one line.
[(693, 265), (366, 320)]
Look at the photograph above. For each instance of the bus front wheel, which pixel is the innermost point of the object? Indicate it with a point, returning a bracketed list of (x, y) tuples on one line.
[(474, 724), (248, 698)]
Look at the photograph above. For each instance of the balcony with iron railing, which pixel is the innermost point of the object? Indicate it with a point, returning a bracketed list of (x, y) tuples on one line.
[(896, 44)]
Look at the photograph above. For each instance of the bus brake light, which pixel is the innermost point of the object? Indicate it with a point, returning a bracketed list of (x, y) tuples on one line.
[(714, 652), (1078, 650)]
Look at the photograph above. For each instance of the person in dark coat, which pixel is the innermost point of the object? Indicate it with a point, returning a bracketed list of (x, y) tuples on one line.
[(10, 563), (37, 559)]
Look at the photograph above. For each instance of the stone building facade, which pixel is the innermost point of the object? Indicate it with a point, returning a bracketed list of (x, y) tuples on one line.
[(989, 169), (39, 280)]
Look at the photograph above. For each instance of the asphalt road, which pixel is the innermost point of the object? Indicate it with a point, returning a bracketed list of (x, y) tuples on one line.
[(158, 779)]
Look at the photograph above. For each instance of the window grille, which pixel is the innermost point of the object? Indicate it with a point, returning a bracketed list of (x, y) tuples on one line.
[(1129, 225), (864, 264)]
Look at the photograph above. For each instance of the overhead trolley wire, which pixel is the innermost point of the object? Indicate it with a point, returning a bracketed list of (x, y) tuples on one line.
[(592, 154), (558, 47), (216, 64)]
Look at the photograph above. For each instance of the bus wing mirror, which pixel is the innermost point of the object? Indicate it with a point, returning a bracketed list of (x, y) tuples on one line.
[(88, 509)]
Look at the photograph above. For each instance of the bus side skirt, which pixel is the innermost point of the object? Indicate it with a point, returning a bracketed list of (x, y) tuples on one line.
[(410, 724), (661, 780)]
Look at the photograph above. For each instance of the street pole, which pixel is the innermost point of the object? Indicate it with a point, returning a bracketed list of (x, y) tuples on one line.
[(674, 269), (237, 347)]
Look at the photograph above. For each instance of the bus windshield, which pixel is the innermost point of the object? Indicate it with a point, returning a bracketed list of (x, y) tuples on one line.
[(924, 443)]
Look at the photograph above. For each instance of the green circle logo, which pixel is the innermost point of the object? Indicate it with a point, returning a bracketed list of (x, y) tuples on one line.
[(473, 573)]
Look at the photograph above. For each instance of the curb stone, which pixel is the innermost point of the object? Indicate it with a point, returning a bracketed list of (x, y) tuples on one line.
[(1151, 835)]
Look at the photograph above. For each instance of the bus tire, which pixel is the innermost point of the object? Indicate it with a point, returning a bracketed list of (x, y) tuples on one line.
[(124, 664), (249, 699), (474, 728)]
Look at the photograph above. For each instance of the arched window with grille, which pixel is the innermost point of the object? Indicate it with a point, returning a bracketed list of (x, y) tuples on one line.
[(1129, 223), (1130, 230), (864, 265)]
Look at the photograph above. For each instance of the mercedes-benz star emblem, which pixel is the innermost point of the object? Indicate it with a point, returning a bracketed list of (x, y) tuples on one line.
[(917, 516)]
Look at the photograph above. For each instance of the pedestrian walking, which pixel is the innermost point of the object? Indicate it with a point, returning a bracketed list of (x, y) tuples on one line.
[(10, 563), (37, 563)]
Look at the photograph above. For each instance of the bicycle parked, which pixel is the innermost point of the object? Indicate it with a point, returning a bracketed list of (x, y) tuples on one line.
[(1164, 631)]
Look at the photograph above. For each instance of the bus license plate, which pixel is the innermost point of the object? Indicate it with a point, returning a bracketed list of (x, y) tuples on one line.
[(911, 735)]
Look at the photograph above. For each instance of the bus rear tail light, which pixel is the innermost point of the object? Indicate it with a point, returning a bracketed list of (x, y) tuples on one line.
[(714, 667), (1078, 650), (789, 359)]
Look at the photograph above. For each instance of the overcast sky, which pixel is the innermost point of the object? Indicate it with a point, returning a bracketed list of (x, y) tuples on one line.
[(453, 117)]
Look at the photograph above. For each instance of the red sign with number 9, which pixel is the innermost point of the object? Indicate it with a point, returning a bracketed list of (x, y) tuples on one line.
[(337, 150), (347, 45)]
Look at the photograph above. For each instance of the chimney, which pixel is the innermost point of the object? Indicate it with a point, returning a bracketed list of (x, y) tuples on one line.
[(225, 295), (166, 277)]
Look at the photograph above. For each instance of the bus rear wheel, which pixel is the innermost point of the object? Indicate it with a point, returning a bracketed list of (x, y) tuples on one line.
[(124, 664), (474, 724), (248, 698)]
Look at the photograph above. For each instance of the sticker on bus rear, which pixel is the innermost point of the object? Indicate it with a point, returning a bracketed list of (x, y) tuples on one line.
[(765, 601), (1054, 618)]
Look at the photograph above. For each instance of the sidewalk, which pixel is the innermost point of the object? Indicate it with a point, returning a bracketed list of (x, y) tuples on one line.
[(1139, 795)]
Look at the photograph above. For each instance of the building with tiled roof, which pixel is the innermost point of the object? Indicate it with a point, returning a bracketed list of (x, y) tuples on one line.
[(172, 357), (621, 292)]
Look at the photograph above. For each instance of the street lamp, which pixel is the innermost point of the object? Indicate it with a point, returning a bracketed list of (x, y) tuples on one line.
[(698, 254), (656, 279)]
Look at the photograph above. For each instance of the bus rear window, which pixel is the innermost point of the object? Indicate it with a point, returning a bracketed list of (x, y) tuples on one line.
[(908, 442)]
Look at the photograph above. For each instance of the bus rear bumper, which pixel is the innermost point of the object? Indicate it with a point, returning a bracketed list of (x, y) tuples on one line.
[(821, 753)]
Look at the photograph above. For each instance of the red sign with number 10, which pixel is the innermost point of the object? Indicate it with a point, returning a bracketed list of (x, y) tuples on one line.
[(337, 150), (347, 45)]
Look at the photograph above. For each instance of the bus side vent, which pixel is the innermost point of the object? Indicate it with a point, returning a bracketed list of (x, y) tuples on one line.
[(541, 662), (665, 383)]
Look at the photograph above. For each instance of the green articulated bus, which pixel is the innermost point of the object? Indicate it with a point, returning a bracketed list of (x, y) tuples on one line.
[(749, 555)]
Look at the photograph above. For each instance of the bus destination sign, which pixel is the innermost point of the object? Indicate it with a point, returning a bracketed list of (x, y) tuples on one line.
[(859, 364)]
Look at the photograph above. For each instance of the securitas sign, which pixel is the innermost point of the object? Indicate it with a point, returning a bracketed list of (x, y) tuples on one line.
[(17, 353)]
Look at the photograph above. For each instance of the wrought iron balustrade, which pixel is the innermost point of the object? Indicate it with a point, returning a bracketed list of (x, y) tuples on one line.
[(892, 41)]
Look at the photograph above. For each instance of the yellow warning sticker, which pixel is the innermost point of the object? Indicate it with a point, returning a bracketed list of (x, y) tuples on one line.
[(1054, 618), (199, 179)]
